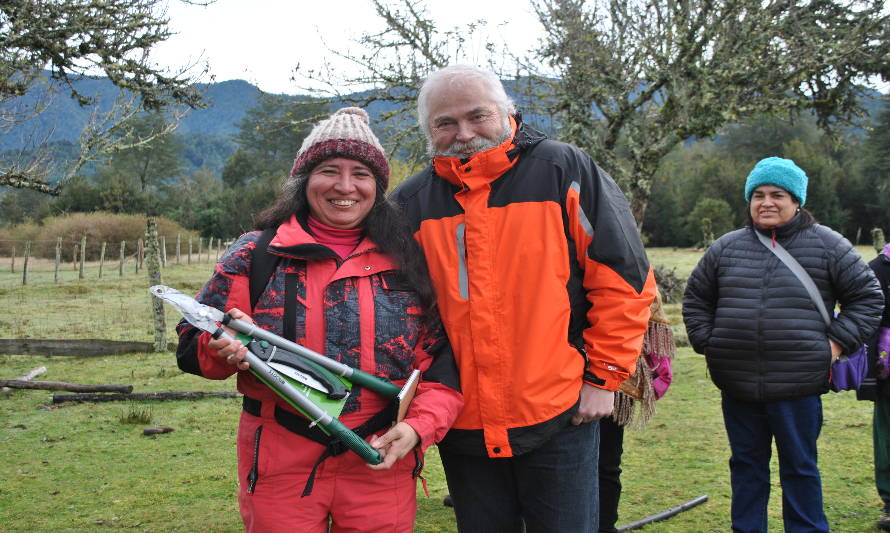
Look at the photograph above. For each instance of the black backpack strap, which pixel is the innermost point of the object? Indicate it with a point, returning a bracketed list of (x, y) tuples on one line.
[(262, 265)]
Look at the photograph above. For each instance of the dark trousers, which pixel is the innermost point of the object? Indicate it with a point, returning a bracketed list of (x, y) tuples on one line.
[(795, 425), (550, 489), (881, 434), (611, 448)]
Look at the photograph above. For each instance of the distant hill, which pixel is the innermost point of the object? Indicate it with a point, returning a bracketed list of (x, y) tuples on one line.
[(65, 119), (207, 133)]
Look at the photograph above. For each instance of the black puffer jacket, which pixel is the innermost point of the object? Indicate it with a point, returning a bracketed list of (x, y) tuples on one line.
[(763, 337)]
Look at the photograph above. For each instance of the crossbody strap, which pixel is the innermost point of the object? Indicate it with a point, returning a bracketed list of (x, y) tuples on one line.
[(798, 271)]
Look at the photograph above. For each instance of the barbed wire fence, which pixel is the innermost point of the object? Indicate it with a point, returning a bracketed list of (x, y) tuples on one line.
[(70, 295)]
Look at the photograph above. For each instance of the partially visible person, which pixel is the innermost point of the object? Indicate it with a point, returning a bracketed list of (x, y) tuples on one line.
[(544, 289), (767, 347), (348, 282), (879, 358), (649, 382)]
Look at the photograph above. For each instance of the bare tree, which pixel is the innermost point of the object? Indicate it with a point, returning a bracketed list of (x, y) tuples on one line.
[(73, 40), (631, 79), (627, 80), (391, 65)]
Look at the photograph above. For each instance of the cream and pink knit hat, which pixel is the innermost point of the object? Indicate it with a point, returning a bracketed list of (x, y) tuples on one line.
[(347, 133)]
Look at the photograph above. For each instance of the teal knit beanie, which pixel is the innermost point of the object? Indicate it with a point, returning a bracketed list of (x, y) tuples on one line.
[(781, 173)]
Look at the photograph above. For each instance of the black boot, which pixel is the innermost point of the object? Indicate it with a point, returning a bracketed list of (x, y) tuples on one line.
[(884, 522)]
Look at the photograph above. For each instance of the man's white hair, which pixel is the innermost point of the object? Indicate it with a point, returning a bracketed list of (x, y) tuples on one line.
[(455, 75)]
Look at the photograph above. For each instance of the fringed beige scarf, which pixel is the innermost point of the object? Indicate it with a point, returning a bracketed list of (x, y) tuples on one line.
[(637, 389)]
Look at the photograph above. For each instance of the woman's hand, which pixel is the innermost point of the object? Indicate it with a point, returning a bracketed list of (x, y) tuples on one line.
[(231, 350), (835, 350), (394, 444)]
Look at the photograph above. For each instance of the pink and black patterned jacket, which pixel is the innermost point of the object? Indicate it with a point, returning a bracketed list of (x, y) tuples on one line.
[(357, 311)]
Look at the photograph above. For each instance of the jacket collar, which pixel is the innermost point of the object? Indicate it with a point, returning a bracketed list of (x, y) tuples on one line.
[(784, 230), (293, 240), (484, 167)]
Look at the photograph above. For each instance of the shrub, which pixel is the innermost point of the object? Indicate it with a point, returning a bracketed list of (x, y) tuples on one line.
[(710, 218), (98, 227), (671, 285)]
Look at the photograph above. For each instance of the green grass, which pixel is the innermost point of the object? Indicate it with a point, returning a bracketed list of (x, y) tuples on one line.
[(87, 467)]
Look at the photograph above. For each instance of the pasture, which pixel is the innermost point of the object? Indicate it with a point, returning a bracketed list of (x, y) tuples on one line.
[(85, 467)]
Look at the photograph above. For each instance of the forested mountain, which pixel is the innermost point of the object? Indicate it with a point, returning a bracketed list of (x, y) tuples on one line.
[(237, 149), (207, 134)]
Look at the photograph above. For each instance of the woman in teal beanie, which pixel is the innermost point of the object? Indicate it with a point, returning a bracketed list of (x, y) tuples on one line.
[(767, 347), (782, 173)]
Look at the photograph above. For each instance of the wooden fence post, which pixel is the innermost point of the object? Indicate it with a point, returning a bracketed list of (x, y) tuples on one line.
[(139, 248), (25, 263), (178, 245), (12, 265), (163, 251), (74, 256), (189, 260), (101, 259), (200, 248), (83, 255), (153, 268), (58, 259), (121, 268)]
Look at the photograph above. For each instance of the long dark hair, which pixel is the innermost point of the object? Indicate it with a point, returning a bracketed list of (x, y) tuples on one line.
[(385, 225)]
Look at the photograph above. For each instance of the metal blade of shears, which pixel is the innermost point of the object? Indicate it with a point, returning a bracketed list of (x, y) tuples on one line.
[(207, 318)]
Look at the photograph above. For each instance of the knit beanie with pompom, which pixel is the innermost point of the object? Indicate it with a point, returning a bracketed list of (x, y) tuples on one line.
[(347, 133)]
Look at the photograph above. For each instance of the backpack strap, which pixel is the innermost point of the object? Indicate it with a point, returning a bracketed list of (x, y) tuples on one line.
[(262, 265)]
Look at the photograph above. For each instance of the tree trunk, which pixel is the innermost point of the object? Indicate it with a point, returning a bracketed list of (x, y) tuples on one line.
[(172, 395), (27, 377), (61, 385)]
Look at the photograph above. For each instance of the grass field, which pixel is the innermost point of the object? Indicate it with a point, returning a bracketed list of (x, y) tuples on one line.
[(87, 467)]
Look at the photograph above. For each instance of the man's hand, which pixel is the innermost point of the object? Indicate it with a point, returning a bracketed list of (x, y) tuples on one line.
[(595, 404), (836, 350), (231, 350), (394, 444)]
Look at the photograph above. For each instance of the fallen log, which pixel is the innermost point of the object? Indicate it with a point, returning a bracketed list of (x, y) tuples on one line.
[(27, 376), (157, 431), (61, 385), (169, 395), (75, 347)]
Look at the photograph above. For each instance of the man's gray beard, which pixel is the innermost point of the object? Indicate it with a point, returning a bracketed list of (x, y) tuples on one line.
[(469, 149)]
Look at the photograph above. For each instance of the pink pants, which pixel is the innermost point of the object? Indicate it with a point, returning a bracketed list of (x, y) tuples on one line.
[(347, 495)]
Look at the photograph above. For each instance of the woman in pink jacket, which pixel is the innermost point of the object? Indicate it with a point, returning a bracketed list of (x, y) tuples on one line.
[(348, 281)]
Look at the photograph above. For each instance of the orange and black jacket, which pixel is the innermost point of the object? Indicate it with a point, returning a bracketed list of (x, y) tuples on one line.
[(542, 284)]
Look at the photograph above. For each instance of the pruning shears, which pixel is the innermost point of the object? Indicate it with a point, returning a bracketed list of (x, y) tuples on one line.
[(310, 382)]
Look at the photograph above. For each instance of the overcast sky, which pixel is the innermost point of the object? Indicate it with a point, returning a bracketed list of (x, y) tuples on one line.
[(261, 41)]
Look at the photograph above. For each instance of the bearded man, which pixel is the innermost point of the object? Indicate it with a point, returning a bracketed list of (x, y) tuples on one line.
[(544, 289)]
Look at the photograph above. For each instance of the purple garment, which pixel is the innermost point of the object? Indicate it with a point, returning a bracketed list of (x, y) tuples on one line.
[(882, 366), (884, 340), (661, 367), (847, 373)]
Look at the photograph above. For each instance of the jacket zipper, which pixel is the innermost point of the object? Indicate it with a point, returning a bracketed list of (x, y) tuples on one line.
[(254, 474)]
